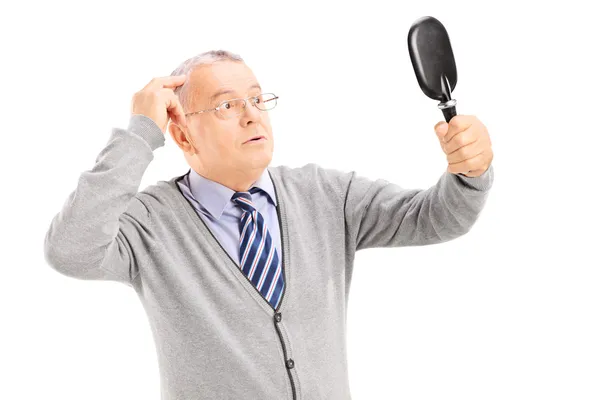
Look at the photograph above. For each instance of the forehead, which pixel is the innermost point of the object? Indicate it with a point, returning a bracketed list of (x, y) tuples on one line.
[(235, 78)]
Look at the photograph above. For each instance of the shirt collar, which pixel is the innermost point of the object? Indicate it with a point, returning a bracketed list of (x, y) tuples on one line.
[(215, 197)]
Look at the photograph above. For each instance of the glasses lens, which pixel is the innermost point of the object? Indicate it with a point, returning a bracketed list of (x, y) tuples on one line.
[(232, 108), (266, 101)]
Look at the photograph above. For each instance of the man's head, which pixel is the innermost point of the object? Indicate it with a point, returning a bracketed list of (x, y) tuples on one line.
[(214, 146)]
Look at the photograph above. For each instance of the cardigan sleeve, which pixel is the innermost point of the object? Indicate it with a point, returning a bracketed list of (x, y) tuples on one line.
[(379, 213), (103, 230)]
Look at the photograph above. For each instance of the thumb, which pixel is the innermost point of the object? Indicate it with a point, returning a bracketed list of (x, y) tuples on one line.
[(441, 128)]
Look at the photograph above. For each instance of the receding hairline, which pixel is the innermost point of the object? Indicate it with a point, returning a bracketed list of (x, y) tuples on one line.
[(204, 59)]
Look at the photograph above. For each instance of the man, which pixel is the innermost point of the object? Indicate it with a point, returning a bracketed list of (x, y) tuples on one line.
[(244, 269)]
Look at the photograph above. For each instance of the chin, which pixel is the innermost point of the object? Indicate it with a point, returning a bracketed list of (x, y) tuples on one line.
[(262, 159)]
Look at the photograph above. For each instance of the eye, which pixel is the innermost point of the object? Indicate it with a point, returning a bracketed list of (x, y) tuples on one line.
[(226, 106)]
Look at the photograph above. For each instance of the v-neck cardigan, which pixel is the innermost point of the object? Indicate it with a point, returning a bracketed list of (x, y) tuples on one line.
[(216, 337), (214, 241)]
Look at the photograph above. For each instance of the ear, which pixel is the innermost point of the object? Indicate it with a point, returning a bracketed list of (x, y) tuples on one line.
[(177, 134)]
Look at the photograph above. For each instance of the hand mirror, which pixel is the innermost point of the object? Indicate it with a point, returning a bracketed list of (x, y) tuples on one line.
[(433, 61)]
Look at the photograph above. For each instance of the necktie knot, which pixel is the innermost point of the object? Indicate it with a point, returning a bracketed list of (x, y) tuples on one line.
[(244, 199)]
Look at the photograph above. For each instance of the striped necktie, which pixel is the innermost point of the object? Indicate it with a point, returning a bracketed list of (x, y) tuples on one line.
[(259, 260)]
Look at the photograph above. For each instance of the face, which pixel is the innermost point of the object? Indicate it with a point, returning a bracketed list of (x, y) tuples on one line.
[(218, 146)]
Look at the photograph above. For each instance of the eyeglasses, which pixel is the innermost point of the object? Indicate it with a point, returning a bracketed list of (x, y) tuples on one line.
[(231, 108)]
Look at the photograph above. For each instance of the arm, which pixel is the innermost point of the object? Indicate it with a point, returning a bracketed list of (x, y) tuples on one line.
[(103, 221), (382, 214)]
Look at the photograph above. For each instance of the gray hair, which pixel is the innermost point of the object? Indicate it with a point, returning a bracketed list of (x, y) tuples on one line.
[(186, 67)]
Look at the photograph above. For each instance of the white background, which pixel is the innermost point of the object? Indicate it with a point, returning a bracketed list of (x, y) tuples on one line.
[(509, 311)]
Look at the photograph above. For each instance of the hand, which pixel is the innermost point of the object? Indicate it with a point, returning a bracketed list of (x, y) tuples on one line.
[(158, 102), (467, 145)]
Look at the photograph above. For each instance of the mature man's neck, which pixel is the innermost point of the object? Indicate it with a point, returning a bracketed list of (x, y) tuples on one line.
[(238, 182)]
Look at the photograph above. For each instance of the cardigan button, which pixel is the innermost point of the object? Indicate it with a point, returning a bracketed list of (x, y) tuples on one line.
[(290, 363), (277, 317)]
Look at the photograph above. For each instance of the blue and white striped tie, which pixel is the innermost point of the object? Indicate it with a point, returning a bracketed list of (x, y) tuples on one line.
[(259, 260)]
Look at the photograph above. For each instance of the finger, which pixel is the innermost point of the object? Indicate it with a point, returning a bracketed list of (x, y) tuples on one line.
[(460, 140), (440, 129), (465, 166), (458, 124), (464, 153), (165, 81), (175, 109)]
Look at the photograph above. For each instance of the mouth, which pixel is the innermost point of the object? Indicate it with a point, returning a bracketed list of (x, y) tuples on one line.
[(257, 138)]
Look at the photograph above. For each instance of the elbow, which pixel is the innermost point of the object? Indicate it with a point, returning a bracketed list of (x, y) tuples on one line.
[(67, 264), (447, 232), (57, 261), (465, 228)]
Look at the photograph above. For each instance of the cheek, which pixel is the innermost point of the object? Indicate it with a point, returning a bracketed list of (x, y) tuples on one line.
[(227, 145), (266, 123)]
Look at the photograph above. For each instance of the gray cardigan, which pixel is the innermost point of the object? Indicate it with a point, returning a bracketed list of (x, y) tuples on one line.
[(215, 336)]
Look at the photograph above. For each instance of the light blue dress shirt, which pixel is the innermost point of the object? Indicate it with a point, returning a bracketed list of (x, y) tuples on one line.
[(212, 202)]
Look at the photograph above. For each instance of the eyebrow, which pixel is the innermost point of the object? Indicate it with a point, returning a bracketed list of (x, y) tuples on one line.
[(225, 91)]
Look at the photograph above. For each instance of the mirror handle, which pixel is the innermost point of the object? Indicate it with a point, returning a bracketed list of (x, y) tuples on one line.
[(448, 105)]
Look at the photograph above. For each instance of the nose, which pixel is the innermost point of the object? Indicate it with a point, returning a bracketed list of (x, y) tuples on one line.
[(251, 112)]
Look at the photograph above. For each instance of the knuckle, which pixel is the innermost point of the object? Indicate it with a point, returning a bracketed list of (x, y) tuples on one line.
[(154, 95), (457, 121)]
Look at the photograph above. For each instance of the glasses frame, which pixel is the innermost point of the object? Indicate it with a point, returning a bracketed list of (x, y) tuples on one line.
[(217, 108)]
